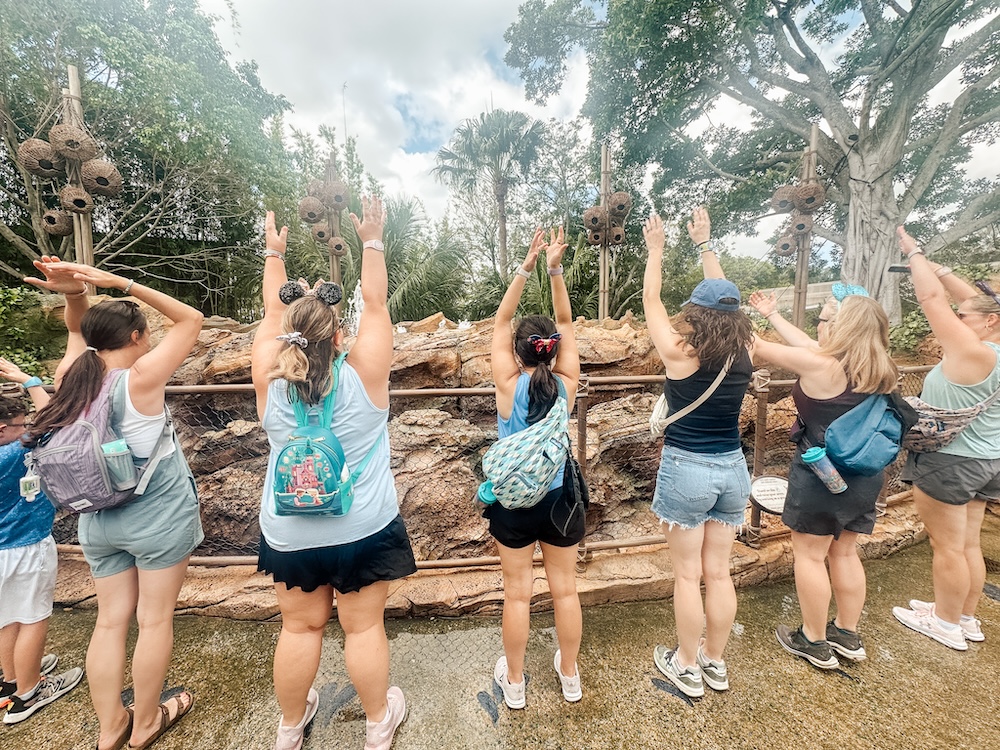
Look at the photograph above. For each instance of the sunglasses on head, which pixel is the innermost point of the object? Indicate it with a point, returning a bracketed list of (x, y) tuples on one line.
[(986, 289)]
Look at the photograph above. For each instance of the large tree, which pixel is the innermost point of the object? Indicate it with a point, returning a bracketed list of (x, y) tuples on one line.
[(903, 93), (196, 140), (497, 149)]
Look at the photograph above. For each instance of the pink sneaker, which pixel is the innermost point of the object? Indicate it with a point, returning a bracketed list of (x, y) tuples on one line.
[(972, 629), (290, 738), (379, 734)]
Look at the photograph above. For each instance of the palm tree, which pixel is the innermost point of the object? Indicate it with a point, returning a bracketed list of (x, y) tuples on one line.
[(497, 148)]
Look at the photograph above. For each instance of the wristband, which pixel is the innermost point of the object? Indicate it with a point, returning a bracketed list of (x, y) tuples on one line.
[(918, 251), (707, 249), (522, 272), (33, 382), (557, 271), (374, 245), (274, 254), (942, 271), (82, 293), (773, 312), (128, 286)]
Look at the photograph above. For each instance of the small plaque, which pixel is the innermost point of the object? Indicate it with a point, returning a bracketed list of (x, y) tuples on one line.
[(768, 494)]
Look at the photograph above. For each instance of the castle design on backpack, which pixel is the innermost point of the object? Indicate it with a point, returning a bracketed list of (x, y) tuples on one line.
[(86, 466), (311, 476)]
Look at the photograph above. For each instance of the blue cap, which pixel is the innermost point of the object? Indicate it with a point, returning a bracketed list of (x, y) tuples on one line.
[(711, 293)]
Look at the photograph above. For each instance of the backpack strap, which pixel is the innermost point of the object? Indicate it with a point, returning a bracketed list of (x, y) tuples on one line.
[(304, 413), (117, 413), (664, 423)]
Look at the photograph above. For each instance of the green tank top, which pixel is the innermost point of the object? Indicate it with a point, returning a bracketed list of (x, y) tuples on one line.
[(981, 439)]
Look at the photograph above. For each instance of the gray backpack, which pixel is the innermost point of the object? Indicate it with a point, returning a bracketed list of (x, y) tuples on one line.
[(86, 466)]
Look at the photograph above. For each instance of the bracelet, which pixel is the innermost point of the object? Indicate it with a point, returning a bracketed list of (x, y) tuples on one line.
[(128, 286), (773, 312), (942, 271), (32, 382), (82, 293), (706, 242), (522, 272), (557, 271), (918, 251), (374, 245), (274, 254)]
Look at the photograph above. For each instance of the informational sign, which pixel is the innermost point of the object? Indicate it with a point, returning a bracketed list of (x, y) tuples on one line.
[(768, 494)]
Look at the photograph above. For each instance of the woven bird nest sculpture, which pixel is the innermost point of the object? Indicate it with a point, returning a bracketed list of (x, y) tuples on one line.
[(595, 217), (311, 210), (321, 232), (595, 236), (809, 197), (801, 224), (57, 223), (339, 196), (786, 246), (75, 199), (338, 246), (73, 142), (619, 204), (783, 200), (100, 177), (40, 159), (616, 234)]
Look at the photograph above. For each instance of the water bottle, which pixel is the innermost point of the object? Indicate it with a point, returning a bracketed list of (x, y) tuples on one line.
[(817, 460)]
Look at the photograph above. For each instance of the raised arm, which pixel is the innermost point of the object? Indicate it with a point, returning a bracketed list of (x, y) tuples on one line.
[(700, 232), (966, 360), (959, 289), (77, 304), (13, 373), (502, 361), (371, 354), (265, 345), (567, 365), (767, 306), (668, 343)]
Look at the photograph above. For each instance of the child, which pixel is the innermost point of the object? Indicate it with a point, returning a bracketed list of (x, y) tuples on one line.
[(27, 569)]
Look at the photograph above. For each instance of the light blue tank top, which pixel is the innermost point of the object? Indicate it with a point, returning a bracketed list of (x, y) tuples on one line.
[(519, 416), (357, 423), (981, 439)]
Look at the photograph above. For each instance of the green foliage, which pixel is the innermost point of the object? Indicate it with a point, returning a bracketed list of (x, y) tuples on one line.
[(907, 335), (27, 336)]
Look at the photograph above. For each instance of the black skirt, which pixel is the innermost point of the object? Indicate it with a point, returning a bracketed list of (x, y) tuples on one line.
[(810, 508)]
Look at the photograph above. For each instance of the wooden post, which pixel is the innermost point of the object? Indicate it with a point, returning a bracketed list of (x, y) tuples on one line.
[(83, 237), (603, 296), (808, 175), (333, 221)]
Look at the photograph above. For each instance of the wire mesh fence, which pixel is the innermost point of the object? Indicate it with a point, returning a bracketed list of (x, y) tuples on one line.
[(437, 439)]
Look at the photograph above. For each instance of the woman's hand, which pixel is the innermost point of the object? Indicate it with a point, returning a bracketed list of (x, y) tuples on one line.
[(652, 232), (700, 226), (13, 373), (371, 226), (273, 239), (765, 304), (54, 281), (534, 249), (87, 274), (555, 249), (907, 244)]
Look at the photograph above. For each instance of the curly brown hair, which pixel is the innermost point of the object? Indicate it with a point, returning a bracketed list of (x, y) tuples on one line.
[(713, 335)]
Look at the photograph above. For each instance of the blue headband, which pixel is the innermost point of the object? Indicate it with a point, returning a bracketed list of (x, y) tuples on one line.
[(841, 290)]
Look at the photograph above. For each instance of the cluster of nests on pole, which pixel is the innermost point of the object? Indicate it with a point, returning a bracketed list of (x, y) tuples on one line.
[(608, 223), (800, 201), (49, 160), (323, 198)]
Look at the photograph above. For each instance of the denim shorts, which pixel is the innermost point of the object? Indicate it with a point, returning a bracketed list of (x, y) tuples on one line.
[(692, 488)]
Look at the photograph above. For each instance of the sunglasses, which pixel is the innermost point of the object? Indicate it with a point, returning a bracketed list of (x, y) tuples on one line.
[(986, 289)]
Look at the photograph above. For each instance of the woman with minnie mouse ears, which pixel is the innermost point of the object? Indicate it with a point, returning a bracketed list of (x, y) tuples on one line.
[(531, 365), (315, 559)]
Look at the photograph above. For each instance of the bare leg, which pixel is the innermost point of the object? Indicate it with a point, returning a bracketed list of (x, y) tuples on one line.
[(720, 593), (117, 597), (560, 571), (518, 580), (812, 583), (8, 637), (28, 652), (847, 575), (300, 644), (974, 555), (158, 590), (366, 648), (689, 611), (947, 528)]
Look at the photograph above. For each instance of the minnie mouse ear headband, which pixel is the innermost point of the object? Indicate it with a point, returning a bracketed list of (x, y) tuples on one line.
[(328, 292), (841, 290)]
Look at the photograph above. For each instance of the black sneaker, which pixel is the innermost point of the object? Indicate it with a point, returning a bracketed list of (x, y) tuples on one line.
[(49, 690), (818, 653), (7, 690), (847, 643)]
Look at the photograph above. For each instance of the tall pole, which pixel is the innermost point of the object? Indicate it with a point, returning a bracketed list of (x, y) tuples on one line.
[(83, 237), (808, 175), (602, 298), (333, 221)]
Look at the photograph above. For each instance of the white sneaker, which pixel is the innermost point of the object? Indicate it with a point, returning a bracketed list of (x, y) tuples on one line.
[(971, 629), (513, 692), (290, 738), (712, 672), (571, 688), (379, 734), (926, 622)]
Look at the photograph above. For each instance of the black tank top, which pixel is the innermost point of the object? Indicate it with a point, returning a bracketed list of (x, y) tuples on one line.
[(714, 426), (816, 414)]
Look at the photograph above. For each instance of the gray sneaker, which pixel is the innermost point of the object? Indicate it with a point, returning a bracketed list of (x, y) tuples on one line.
[(49, 690), (972, 628), (713, 672), (817, 653), (687, 679), (847, 643)]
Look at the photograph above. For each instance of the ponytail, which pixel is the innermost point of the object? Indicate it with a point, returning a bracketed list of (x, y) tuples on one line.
[(537, 344)]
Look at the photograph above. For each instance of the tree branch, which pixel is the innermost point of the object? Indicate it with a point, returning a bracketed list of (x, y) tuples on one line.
[(970, 220), (836, 238)]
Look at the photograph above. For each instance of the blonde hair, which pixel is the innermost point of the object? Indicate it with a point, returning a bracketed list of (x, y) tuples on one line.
[(859, 338), (308, 370), (985, 304)]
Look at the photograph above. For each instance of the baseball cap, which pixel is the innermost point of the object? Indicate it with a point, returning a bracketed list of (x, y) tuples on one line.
[(717, 294)]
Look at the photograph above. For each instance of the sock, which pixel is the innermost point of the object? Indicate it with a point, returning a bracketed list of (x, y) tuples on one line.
[(30, 694), (946, 625), (968, 618)]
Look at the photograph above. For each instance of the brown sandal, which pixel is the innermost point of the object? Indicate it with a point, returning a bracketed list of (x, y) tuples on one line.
[(165, 721), (122, 740)]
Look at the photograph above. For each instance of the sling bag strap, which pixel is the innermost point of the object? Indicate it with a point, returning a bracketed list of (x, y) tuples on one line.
[(702, 398)]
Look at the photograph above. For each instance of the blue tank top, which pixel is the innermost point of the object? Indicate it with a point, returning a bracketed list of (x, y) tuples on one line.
[(519, 416)]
